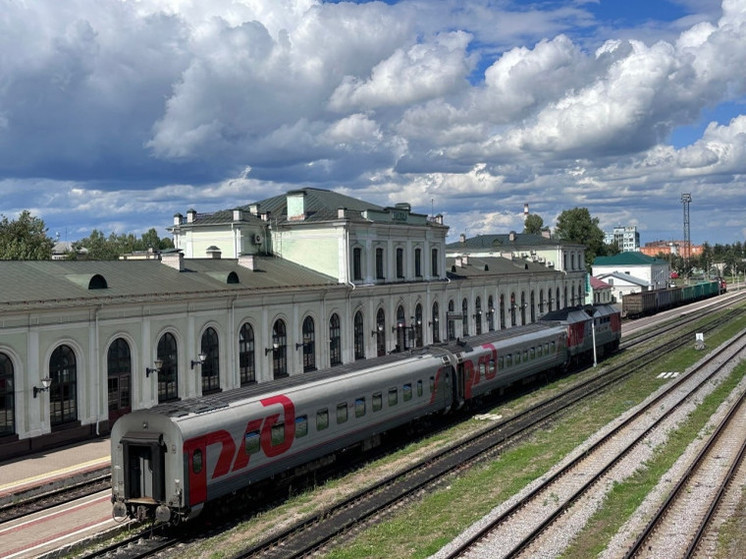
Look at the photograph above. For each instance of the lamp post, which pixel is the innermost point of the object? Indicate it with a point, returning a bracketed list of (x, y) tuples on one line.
[(589, 310)]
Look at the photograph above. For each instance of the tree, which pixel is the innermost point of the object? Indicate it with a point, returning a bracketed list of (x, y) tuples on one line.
[(100, 247), (25, 238), (577, 226), (533, 224)]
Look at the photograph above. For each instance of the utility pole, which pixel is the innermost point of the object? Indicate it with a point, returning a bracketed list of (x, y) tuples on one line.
[(686, 198)]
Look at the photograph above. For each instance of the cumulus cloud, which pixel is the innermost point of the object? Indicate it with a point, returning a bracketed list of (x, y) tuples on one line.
[(471, 106)]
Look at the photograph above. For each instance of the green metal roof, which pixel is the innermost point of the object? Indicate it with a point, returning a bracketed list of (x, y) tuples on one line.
[(627, 259), (494, 266), (55, 282), (520, 241)]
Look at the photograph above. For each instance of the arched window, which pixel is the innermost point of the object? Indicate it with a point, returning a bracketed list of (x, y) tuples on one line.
[(491, 314), (502, 312), (451, 324), (478, 316), (434, 262), (565, 292), (418, 262), (210, 346), (279, 350), (532, 302), (465, 317), (399, 263), (417, 326), (523, 307), (168, 377), (401, 329), (309, 345), (512, 309), (435, 323), (357, 264), (119, 373), (557, 303), (7, 397), (572, 291), (541, 301), (246, 355), (380, 333), (359, 336), (63, 392), (335, 341), (379, 264)]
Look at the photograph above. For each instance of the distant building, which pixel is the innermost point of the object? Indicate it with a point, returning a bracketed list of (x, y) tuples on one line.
[(670, 247), (631, 272), (600, 293), (626, 238)]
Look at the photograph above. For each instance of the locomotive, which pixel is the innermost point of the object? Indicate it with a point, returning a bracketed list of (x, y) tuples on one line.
[(169, 461)]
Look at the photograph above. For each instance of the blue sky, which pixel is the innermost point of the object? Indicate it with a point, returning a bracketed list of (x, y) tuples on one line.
[(117, 114)]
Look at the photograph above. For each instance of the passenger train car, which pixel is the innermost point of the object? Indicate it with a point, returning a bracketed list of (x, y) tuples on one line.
[(172, 459)]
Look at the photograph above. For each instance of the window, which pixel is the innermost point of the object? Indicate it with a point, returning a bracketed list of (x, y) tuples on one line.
[(246, 355), (509, 360), (419, 388), (478, 316), (465, 317), (301, 426), (278, 434), (377, 401), (7, 398), (417, 326), (335, 341), (491, 368), (168, 377), (432, 385), (400, 263), (450, 322), (357, 264), (380, 333), (490, 314), (401, 329), (309, 345), (279, 350), (211, 367), (500, 362), (435, 323), (379, 264), (434, 263), (359, 336), (418, 263), (393, 396), (342, 414), (360, 407), (119, 371), (63, 397), (322, 419), (407, 392), (252, 442), (502, 312), (197, 461)]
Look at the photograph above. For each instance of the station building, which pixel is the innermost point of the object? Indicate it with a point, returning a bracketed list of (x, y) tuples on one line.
[(286, 286)]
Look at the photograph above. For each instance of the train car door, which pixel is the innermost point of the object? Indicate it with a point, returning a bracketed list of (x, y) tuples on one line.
[(145, 459), (194, 454)]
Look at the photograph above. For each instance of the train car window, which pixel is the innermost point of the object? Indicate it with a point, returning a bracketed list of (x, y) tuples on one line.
[(517, 357), (407, 392), (360, 407), (322, 419), (377, 401), (432, 385), (501, 362), (393, 396), (197, 461), (509, 360), (252, 442), (532, 353), (482, 368), (554, 346), (342, 413), (278, 434), (301, 426), (491, 367), (525, 355), (419, 388), (539, 350)]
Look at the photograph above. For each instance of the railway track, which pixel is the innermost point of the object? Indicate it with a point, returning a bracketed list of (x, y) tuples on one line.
[(679, 526), (367, 505), (542, 517)]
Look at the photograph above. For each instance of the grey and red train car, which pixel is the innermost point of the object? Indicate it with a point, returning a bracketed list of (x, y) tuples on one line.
[(169, 461)]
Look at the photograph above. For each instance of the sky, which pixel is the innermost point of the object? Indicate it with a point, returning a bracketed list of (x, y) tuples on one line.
[(117, 114)]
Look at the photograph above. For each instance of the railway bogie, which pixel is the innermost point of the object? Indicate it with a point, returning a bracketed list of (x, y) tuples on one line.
[(170, 460)]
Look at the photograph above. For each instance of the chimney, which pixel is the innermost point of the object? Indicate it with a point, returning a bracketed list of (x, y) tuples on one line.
[(178, 218), (237, 214), (254, 209), (511, 236), (247, 261), (462, 238), (341, 213), (174, 260), (191, 214)]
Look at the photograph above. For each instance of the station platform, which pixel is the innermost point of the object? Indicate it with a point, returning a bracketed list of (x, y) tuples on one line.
[(53, 468)]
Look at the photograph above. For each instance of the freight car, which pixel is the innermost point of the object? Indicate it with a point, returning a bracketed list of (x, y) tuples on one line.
[(650, 302), (170, 460)]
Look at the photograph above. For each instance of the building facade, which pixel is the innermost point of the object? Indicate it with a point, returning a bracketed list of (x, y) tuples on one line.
[(315, 281), (626, 238)]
